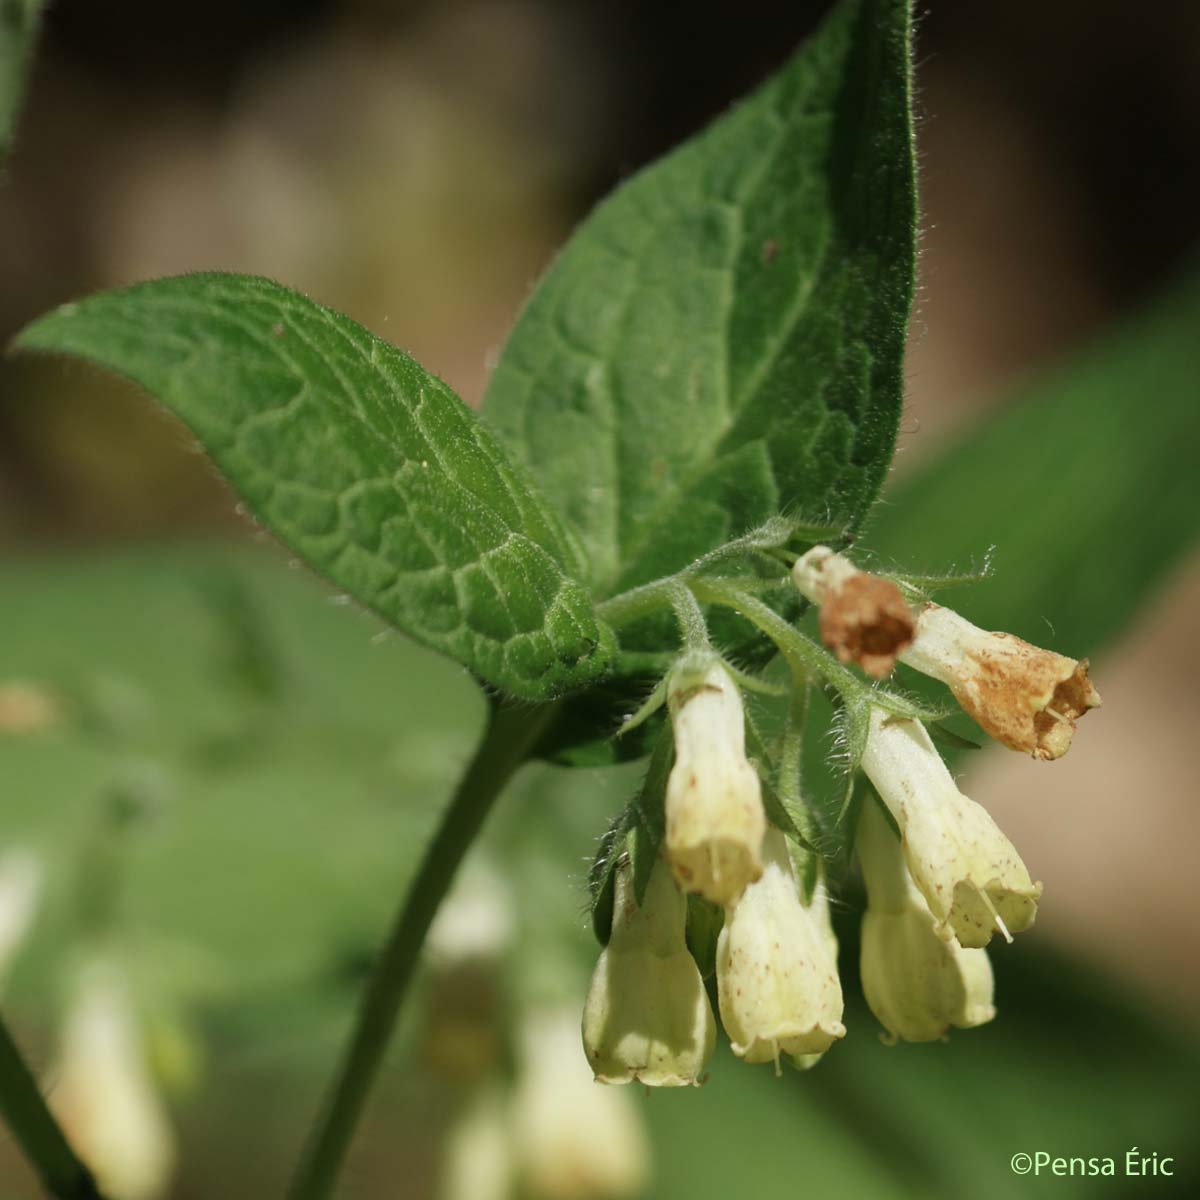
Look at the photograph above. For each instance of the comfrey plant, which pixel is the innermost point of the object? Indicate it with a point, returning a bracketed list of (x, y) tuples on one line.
[(685, 431)]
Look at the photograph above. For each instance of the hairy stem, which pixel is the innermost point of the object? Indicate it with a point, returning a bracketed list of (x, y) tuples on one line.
[(35, 1130), (510, 736), (637, 603), (690, 617), (804, 657)]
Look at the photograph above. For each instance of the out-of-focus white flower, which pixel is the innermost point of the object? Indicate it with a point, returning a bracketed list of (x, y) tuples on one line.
[(647, 1017), (1026, 698), (916, 983), (475, 921), (575, 1139), (714, 810), (102, 1093), (967, 870), (777, 980), (864, 618), (20, 887), (478, 1163)]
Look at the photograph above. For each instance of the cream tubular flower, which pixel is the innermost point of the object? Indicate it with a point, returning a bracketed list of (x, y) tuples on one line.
[(777, 979), (864, 618), (967, 870), (647, 1017), (1026, 698), (102, 1092), (575, 1139), (916, 983), (714, 811), (819, 907)]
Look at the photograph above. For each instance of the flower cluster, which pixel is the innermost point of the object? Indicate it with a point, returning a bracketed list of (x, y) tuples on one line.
[(941, 878)]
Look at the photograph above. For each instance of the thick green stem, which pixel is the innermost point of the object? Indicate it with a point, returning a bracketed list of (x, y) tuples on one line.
[(510, 736), (37, 1133)]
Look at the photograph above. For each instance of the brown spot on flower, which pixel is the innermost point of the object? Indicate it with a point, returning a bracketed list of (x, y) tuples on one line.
[(1027, 698), (867, 621)]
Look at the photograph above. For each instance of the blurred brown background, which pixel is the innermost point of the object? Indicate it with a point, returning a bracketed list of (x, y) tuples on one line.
[(416, 164)]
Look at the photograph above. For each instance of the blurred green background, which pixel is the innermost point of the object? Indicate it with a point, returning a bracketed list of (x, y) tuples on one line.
[(244, 769)]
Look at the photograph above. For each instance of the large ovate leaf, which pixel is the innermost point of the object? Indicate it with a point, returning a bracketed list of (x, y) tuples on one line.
[(362, 462), (722, 339)]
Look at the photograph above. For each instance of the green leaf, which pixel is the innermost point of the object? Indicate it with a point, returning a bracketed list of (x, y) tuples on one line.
[(19, 21), (361, 462), (722, 339), (638, 829)]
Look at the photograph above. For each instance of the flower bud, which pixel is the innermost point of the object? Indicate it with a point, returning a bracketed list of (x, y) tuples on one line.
[(647, 1016), (103, 1094), (575, 1139), (864, 618), (20, 885), (477, 1162), (475, 922), (916, 983), (967, 870), (777, 979), (1026, 698), (714, 810)]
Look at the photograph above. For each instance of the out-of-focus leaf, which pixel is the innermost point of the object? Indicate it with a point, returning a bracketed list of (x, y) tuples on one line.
[(362, 462), (1070, 1066), (19, 21), (250, 810), (722, 339)]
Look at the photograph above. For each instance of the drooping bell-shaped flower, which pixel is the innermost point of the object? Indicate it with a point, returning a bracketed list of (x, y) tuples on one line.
[(103, 1094), (1027, 698), (864, 618), (916, 983), (819, 907), (575, 1139), (777, 979), (971, 877), (714, 811), (647, 1017)]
